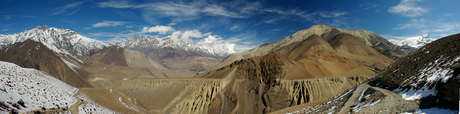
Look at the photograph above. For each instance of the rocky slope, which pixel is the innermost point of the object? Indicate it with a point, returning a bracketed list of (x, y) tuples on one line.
[(32, 54), (25, 90), (254, 85), (273, 82), (176, 53), (415, 42), (425, 81), (59, 40), (369, 38)]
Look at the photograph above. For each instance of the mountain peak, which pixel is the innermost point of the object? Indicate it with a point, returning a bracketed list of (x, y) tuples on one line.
[(416, 42), (42, 27), (59, 40), (313, 45)]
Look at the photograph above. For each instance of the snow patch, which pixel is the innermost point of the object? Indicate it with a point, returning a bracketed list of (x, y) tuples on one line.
[(71, 65), (413, 94), (436, 70), (415, 42), (34, 87)]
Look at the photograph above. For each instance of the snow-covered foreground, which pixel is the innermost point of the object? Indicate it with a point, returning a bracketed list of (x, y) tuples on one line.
[(35, 88), (435, 71)]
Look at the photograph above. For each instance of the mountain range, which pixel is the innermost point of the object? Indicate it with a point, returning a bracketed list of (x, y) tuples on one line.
[(59, 40), (168, 51), (176, 53), (317, 70), (415, 42), (425, 81)]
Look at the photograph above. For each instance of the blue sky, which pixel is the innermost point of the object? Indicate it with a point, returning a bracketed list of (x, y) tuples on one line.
[(241, 24)]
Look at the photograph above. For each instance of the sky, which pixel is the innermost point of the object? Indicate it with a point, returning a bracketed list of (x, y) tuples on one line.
[(239, 24)]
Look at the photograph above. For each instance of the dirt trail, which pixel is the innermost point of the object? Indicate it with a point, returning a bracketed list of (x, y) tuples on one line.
[(390, 103), (74, 108), (106, 99)]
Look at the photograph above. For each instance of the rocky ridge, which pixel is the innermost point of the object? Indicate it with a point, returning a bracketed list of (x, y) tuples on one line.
[(424, 81), (369, 38)]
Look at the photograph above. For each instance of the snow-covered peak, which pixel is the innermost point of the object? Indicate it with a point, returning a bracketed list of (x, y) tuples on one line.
[(145, 42), (59, 40), (415, 42)]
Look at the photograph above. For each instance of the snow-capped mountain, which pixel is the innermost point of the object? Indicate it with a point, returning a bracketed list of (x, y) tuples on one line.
[(59, 40), (415, 42), (148, 43)]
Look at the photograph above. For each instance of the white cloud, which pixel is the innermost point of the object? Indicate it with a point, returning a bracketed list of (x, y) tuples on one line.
[(198, 9), (220, 11), (114, 38), (436, 29), (389, 36), (234, 27), (237, 43), (329, 18), (217, 42), (368, 6), (408, 8), (415, 23), (178, 11), (187, 35), (109, 24), (171, 24), (158, 28), (331, 14), (245, 41), (73, 7)]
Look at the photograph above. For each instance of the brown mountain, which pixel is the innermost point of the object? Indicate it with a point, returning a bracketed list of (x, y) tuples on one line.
[(113, 64), (176, 53), (307, 71), (320, 59), (348, 43), (272, 82), (350, 47), (428, 78), (31, 54), (311, 46), (369, 38)]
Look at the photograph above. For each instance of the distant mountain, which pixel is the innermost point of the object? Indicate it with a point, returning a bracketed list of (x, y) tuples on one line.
[(59, 40), (176, 53), (425, 81), (369, 38), (178, 46), (415, 42), (290, 75)]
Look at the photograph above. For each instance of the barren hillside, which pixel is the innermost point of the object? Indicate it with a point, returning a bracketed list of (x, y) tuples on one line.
[(426, 81)]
